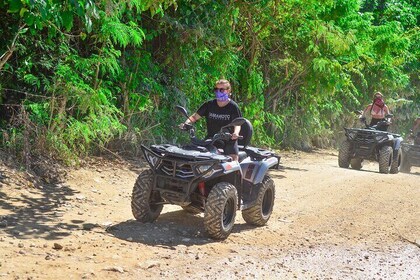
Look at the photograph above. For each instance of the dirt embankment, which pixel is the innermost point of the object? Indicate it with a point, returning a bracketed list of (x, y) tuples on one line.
[(328, 222)]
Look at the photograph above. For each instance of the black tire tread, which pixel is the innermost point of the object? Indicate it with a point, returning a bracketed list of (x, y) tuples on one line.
[(396, 163), (254, 215), (213, 210), (344, 154), (385, 153), (140, 205)]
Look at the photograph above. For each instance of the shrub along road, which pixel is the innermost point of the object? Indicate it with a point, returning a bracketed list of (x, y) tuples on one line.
[(327, 222)]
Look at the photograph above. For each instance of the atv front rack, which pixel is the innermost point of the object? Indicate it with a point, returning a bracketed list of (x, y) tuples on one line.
[(183, 166)]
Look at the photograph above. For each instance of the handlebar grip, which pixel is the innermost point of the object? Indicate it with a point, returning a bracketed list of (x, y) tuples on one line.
[(185, 127), (240, 137)]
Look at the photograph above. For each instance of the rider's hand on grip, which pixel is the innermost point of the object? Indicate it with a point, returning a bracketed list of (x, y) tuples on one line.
[(235, 136), (185, 126)]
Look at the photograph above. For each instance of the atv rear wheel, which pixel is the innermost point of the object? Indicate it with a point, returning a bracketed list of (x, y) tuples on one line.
[(260, 213), (356, 163), (220, 210), (344, 154), (385, 159), (144, 200), (396, 163)]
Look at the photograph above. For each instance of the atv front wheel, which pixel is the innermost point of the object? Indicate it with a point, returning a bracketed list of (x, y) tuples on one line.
[(220, 210), (144, 200), (260, 213), (396, 163), (356, 163), (344, 154), (385, 159)]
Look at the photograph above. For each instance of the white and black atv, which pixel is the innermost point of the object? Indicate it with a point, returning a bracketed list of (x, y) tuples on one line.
[(371, 143), (199, 178)]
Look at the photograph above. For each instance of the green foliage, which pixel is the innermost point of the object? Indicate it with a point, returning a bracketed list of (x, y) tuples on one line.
[(93, 73)]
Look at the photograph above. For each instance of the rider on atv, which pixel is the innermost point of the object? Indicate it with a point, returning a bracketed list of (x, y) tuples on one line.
[(377, 111), (218, 113)]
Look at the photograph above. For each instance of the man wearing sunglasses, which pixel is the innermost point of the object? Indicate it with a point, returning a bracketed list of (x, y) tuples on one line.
[(219, 112)]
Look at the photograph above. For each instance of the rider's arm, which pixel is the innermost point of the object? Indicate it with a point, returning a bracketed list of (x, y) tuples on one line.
[(364, 114), (193, 118), (236, 130)]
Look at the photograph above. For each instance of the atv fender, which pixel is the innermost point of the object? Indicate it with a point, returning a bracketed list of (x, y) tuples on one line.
[(250, 196), (254, 171), (231, 166)]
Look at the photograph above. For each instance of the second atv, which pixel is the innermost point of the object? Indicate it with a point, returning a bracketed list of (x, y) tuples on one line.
[(200, 179), (372, 143)]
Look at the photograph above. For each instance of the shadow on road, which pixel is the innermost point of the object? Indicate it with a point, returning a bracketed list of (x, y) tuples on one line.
[(375, 171), (35, 214), (169, 230), (292, 168), (2, 177)]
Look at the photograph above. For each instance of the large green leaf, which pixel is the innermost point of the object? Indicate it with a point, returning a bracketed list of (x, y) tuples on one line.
[(67, 18), (14, 6)]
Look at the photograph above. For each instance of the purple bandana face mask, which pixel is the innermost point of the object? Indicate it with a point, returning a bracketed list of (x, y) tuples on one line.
[(221, 96)]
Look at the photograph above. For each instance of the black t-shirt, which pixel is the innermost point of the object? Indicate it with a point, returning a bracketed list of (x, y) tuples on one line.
[(216, 116)]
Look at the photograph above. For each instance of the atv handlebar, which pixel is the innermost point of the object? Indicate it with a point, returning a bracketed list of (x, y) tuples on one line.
[(223, 134), (385, 122)]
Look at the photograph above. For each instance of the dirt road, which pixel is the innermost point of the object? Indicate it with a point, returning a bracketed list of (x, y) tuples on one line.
[(328, 223)]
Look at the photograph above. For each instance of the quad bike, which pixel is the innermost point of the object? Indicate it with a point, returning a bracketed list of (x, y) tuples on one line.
[(371, 143), (199, 178), (411, 153)]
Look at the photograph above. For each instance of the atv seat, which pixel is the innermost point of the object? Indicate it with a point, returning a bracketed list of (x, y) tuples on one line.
[(246, 132)]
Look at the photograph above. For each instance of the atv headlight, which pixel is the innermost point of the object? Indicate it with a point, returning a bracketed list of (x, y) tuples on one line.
[(203, 168), (207, 170), (351, 134), (152, 159)]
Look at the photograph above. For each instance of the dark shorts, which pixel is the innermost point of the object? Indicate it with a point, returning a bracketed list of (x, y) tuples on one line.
[(229, 147), (375, 121)]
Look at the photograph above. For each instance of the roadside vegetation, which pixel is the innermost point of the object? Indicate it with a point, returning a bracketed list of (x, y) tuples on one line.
[(78, 77)]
